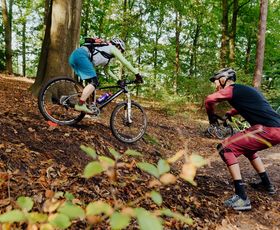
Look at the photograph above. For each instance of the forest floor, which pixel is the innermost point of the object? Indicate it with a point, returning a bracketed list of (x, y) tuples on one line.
[(40, 158)]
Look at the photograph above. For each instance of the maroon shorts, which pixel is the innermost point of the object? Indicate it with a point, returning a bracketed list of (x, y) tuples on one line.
[(248, 142)]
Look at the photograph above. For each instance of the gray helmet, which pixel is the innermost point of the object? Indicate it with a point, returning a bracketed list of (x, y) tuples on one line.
[(118, 41), (226, 72)]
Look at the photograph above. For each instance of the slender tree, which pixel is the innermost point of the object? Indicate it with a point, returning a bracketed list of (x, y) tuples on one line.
[(232, 34), (224, 41), (260, 44), (61, 38), (7, 21)]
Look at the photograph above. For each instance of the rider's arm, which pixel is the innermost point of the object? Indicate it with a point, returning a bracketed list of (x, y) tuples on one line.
[(109, 72), (212, 99), (232, 112), (123, 60)]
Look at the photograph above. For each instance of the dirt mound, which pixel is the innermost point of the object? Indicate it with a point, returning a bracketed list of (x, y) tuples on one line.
[(42, 158)]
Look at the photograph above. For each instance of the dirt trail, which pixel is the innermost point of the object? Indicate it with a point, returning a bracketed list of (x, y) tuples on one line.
[(42, 158)]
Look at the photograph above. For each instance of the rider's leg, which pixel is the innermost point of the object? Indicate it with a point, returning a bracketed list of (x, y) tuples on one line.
[(265, 182), (230, 158), (89, 89), (248, 142), (80, 62)]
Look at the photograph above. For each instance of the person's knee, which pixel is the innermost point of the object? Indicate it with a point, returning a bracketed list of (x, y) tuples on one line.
[(251, 156), (227, 155), (93, 81)]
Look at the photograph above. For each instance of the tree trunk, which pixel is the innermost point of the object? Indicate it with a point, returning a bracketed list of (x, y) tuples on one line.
[(224, 42), (178, 24), (260, 44), (23, 48), (194, 50), (8, 36), (232, 36), (248, 54), (61, 38), (233, 32)]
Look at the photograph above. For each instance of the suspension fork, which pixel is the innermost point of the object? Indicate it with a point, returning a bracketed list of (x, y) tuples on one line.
[(128, 107)]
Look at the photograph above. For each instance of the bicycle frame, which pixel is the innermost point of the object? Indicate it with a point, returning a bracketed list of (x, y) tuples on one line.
[(123, 89)]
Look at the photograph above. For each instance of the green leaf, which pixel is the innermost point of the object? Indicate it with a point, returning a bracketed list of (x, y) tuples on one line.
[(46, 227), (106, 161), (69, 196), (89, 151), (197, 160), (98, 207), (134, 153), (12, 216), (60, 221), (92, 169), (163, 166), (36, 217), (119, 220), (115, 154), (25, 203), (177, 216), (149, 168), (147, 221), (72, 211), (156, 197)]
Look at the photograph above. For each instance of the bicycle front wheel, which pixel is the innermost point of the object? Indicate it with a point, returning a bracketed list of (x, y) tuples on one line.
[(125, 130), (57, 100), (223, 132), (278, 110)]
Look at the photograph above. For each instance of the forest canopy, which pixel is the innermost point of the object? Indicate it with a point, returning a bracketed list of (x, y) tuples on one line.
[(177, 44)]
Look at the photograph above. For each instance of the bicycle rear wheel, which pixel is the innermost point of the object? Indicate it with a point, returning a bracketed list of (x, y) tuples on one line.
[(125, 131), (57, 99)]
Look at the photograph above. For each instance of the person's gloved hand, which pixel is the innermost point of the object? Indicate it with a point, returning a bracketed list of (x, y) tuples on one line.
[(121, 83), (213, 118), (138, 78), (227, 116)]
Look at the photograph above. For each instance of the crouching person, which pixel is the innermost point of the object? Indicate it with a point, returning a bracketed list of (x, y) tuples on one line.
[(263, 133)]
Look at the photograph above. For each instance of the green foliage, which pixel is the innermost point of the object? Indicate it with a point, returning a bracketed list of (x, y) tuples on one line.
[(60, 211), (149, 29), (134, 153), (36, 217), (12, 216), (89, 151), (147, 221), (115, 154), (60, 221), (156, 197), (92, 169), (97, 208), (72, 211), (163, 166), (119, 220), (149, 168), (25, 203)]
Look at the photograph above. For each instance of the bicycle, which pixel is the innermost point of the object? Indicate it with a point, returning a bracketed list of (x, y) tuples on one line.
[(278, 110), (238, 124), (59, 95), (220, 129)]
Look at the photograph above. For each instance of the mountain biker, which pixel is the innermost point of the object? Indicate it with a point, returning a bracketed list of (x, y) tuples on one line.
[(83, 61), (263, 133)]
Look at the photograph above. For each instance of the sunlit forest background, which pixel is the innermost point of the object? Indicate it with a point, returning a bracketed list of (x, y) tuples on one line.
[(177, 45)]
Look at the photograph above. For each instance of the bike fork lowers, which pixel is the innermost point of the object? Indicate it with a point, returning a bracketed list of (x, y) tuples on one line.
[(128, 108)]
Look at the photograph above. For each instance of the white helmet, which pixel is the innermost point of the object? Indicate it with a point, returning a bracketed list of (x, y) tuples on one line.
[(117, 41), (226, 72)]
